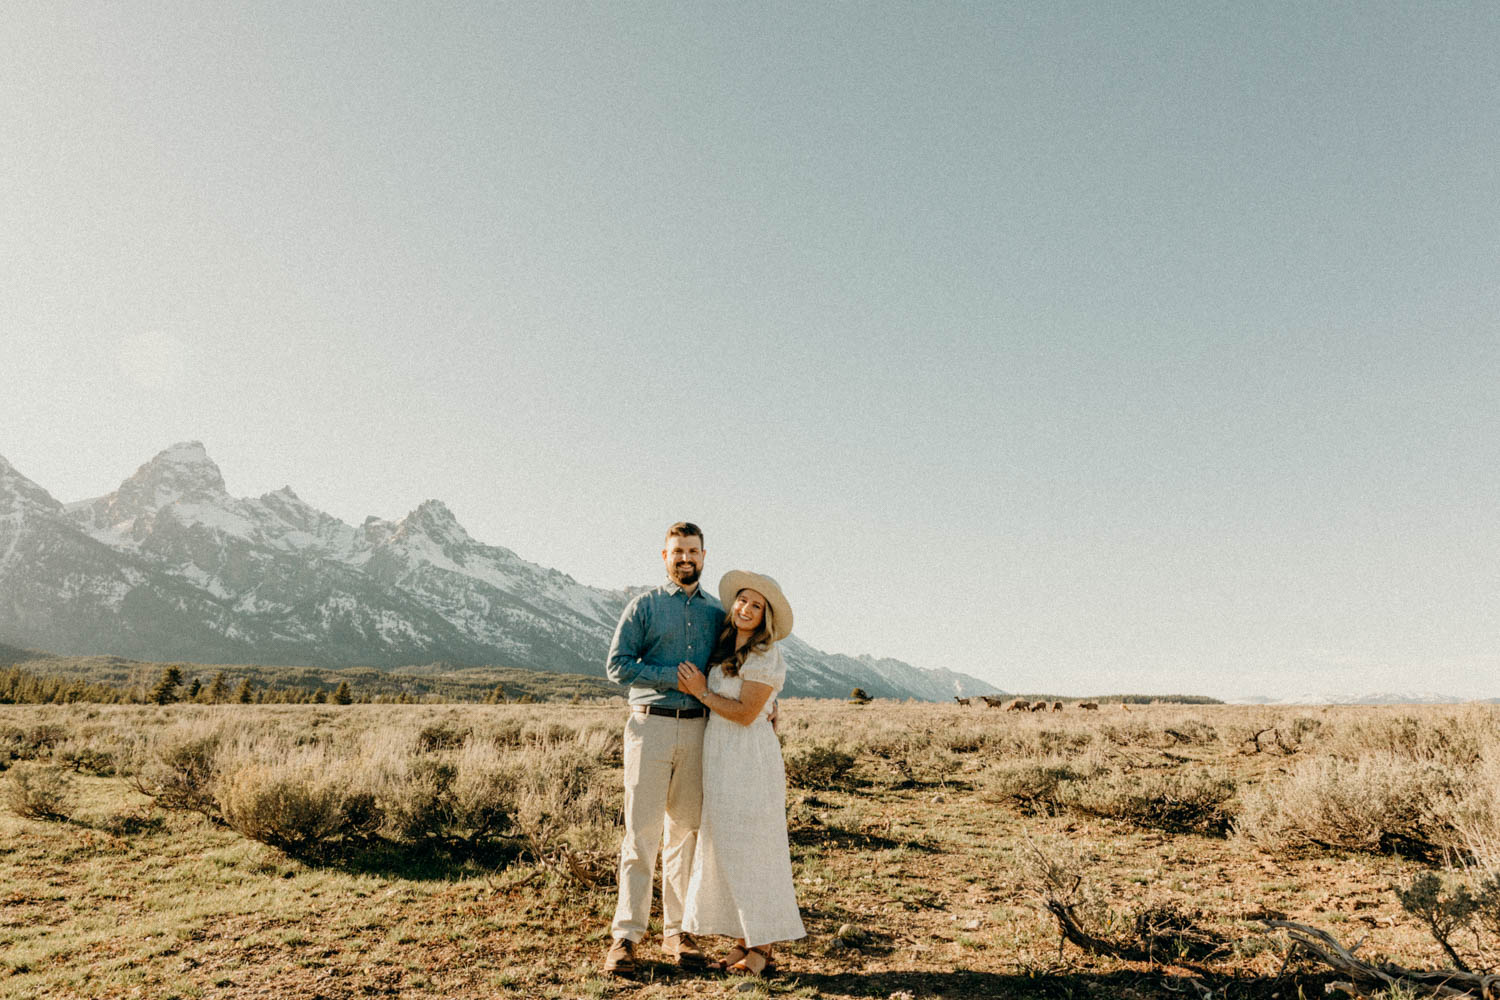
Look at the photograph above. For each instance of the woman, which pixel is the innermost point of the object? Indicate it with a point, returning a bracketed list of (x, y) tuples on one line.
[(742, 871)]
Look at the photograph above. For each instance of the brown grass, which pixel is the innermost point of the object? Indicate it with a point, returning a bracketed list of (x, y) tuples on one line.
[(465, 852)]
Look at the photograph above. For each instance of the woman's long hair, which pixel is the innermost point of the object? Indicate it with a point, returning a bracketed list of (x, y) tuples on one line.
[(730, 659)]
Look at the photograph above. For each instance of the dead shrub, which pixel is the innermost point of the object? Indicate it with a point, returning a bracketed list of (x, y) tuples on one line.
[(483, 792), (181, 770), (294, 807), (1380, 802), (1449, 741), (818, 766), (39, 791), (567, 812), (83, 759), (1197, 801), (544, 734), (1032, 786), (414, 799), (442, 736), (1163, 932), (1064, 742), (508, 733), (31, 744), (130, 823), (914, 756), (1139, 734)]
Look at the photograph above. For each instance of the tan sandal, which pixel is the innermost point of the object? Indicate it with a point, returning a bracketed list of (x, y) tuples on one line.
[(757, 962), (735, 956)]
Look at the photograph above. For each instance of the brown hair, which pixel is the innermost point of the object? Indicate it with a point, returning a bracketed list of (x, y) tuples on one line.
[(685, 529), (731, 659)]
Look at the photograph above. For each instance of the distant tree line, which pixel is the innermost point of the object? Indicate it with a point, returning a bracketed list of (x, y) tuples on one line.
[(22, 687)]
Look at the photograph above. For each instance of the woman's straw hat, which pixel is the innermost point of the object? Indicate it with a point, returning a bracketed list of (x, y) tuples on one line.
[(737, 580)]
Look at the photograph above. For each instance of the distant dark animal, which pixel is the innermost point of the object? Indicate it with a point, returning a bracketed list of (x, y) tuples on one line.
[(962, 701), (1038, 706), (1057, 706), (1089, 706), (1017, 705), (993, 701)]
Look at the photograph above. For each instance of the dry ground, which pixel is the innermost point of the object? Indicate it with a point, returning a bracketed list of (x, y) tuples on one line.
[(913, 878)]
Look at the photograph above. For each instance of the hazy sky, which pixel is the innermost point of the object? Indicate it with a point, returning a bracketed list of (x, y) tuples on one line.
[(1083, 348)]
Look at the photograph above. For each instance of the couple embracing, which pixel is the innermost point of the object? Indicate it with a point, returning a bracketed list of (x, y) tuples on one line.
[(704, 779)]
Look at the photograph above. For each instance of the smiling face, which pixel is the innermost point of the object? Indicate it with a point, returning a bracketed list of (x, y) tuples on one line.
[(747, 611), (683, 557)]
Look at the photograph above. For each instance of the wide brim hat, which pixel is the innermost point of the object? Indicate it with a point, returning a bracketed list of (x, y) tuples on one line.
[(737, 580)]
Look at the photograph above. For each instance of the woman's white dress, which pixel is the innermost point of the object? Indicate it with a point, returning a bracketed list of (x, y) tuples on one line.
[(742, 869)]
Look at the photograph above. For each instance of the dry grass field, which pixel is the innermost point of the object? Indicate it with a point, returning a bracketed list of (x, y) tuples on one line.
[(466, 851)]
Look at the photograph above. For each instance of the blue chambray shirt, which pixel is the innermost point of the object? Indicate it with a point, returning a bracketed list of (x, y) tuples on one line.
[(658, 630)]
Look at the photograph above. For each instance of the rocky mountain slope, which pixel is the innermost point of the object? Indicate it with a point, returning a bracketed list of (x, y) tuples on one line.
[(170, 566)]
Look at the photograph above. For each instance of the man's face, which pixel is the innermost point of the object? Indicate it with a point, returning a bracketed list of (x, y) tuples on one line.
[(684, 559)]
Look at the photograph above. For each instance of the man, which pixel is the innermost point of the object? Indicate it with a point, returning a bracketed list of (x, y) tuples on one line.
[(672, 624)]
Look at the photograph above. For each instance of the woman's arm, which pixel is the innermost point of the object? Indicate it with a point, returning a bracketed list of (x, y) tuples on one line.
[(745, 710)]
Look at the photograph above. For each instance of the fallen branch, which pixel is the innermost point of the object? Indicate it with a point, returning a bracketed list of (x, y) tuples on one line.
[(1439, 982)]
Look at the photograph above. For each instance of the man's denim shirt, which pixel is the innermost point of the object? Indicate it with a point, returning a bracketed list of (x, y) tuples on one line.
[(658, 630)]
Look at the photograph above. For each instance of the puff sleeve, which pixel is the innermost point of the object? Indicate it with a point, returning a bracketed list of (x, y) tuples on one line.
[(767, 668)]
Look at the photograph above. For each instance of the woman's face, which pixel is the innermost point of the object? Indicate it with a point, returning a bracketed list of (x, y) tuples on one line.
[(748, 610)]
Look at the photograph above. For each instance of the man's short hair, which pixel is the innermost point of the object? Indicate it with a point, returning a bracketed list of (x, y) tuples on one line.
[(685, 529)]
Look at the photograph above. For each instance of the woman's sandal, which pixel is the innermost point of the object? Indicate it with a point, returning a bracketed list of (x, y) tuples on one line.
[(756, 962), (733, 957)]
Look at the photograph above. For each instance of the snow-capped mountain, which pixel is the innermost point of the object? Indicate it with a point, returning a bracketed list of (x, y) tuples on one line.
[(170, 566), (1373, 698)]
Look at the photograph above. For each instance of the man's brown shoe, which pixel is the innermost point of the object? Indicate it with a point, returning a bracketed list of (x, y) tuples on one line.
[(682, 949), (620, 961)]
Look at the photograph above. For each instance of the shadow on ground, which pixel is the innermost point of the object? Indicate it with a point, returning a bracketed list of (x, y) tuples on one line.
[(816, 835), (427, 861), (966, 983)]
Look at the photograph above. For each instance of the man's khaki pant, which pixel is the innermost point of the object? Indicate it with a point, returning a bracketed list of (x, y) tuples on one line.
[(663, 793)]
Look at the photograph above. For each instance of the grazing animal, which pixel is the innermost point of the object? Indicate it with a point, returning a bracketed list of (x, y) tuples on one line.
[(1057, 706), (1124, 707), (1017, 705), (993, 701), (1038, 706), (1089, 706), (961, 701)]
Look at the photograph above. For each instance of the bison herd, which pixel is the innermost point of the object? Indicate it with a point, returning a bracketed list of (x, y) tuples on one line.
[(1022, 705)]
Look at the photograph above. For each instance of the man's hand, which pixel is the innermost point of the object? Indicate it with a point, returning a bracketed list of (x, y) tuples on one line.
[(690, 680)]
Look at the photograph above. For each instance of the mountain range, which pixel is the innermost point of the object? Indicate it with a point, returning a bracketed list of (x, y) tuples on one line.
[(170, 566), (1348, 698)]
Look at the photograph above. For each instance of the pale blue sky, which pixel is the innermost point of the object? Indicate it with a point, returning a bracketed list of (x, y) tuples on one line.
[(1083, 348)]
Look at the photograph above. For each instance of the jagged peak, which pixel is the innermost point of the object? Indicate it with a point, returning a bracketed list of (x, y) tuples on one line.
[(185, 465), (436, 510), (434, 519)]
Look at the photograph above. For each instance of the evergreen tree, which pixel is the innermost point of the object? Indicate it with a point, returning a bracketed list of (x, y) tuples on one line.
[(218, 689), (246, 694), (320, 697), (165, 691), (497, 696), (193, 690), (343, 696)]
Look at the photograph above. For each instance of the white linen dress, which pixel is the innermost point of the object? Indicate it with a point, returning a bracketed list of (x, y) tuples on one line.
[(742, 870)]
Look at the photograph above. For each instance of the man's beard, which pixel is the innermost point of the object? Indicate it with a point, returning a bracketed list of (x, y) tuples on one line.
[(685, 575)]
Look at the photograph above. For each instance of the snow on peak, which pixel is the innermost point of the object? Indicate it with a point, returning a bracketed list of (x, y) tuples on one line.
[(433, 519), (183, 469), (182, 476)]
